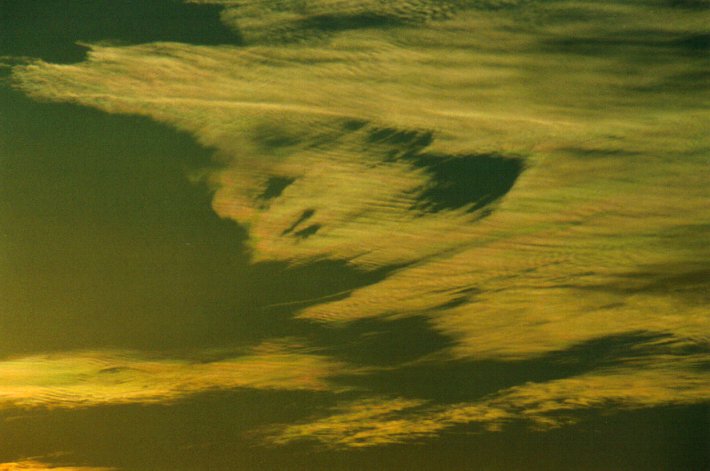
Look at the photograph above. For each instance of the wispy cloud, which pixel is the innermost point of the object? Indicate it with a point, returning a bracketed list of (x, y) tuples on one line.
[(294, 112), (379, 421), (363, 423), (33, 465), (597, 235), (85, 379)]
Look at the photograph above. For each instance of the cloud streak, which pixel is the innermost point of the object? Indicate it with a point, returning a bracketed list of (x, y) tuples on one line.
[(33, 465), (88, 379)]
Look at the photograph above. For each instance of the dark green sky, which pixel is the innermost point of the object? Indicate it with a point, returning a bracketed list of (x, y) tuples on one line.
[(380, 235)]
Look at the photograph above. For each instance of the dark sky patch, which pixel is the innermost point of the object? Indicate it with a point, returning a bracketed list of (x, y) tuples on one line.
[(206, 431), (102, 231), (379, 343), (651, 45), (323, 26), (275, 186), (106, 237), (470, 181), (50, 29), (456, 381), (690, 283), (272, 292), (662, 439), (306, 232), (212, 431), (305, 216), (689, 4), (456, 181), (594, 152), (324, 22), (339, 22), (688, 83)]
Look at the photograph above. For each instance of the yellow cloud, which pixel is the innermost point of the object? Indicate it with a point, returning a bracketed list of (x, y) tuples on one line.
[(33, 465), (601, 234), (284, 111), (362, 423), (84, 379), (656, 382)]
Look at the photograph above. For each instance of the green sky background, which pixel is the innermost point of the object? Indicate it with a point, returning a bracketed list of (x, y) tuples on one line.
[(112, 238)]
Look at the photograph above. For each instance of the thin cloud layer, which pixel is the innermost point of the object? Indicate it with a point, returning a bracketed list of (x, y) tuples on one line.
[(87, 379)]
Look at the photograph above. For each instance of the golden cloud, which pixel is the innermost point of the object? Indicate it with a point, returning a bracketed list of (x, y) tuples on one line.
[(85, 379), (33, 465), (379, 421), (598, 236)]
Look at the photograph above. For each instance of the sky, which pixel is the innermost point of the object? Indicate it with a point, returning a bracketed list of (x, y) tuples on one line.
[(339, 234)]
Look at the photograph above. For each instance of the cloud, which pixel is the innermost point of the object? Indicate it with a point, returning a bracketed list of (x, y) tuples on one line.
[(338, 144), (298, 21), (380, 421), (362, 423), (656, 381), (87, 379), (493, 311), (32, 465), (294, 113)]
